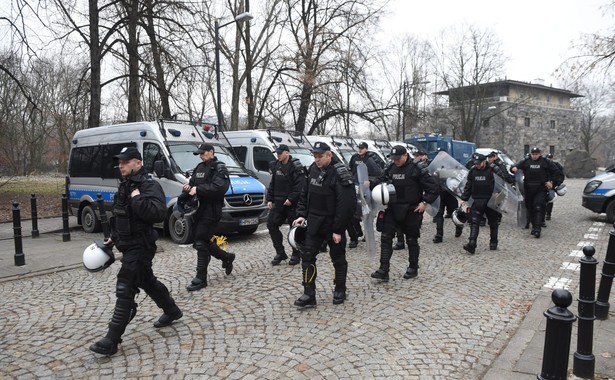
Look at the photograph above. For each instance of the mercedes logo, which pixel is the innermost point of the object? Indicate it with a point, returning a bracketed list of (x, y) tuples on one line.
[(247, 199)]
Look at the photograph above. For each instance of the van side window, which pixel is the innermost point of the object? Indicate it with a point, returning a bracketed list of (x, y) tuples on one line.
[(241, 152), (262, 158), (95, 161), (151, 154)]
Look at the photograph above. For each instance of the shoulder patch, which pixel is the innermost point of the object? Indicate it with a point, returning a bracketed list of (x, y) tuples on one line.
[(298, 165), (344, 174)]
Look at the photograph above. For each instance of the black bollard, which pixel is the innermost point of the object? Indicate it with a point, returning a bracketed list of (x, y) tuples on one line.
[(606, 280), (65, 230), (20, 258), (557, 337), (584, 361), (35, 233)]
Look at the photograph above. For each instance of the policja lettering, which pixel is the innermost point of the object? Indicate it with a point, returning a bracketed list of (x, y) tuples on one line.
[(316, 182), (535, 166), (399, 176)]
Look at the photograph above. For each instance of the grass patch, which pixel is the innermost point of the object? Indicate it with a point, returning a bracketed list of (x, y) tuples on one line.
[(32, 185)]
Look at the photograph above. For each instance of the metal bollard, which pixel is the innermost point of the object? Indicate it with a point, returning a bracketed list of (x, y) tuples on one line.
[(65, 230), (606, 280), (20, 258), (584, 362), (35, 233), (557, 337)]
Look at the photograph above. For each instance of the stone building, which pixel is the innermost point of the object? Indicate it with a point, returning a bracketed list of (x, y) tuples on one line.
[(514, 116)]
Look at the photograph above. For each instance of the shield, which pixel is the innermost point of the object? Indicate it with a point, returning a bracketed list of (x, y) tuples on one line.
[(451, 175), (521, 210), (504, 199), (368, 211)]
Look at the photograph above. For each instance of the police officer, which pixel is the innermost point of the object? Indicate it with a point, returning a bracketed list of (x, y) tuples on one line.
[(327, 203), (209, 181), (138, 204), (502, 171), (414, 188), (448, 204), (287, 181), (374, 171), (549, 208), (480, 186), (539, 176)]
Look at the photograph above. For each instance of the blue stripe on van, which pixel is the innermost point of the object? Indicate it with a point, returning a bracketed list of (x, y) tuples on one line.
[(600, 191), (241, 185), (78, 194)]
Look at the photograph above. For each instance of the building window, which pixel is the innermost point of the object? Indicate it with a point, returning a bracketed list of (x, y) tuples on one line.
[(527, 122), (552, 124)]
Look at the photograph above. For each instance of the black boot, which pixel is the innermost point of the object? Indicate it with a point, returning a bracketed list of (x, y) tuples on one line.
[(536, 224), (125, 310), (339, 293), (413, 258), (200, 281), (439, 228), (279, 257), (308, 298), (295, 258), (493, 237), (471, 246), (548, 211), (105, 346), (167, 319), (386, 251)]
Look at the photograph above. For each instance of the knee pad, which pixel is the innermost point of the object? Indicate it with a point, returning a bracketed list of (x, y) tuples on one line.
[(412, 241), (386, 238), (200, 245), (125, 291)]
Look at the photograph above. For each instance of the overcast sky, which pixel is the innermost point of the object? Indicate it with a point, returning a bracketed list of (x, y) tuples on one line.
[(536, 34)]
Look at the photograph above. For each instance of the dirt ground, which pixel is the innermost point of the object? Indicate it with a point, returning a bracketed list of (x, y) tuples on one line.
[(48, 191)]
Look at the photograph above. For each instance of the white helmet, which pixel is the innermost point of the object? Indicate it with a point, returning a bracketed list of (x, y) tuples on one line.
[(550, 196), (296, 235), (561, 190), (384, 194), (459, 217), (97, 256)]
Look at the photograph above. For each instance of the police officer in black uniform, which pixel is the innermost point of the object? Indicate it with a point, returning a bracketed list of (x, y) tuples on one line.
[(495, 161), (327, 203), (549, 208), (480, 186), (373, 171), (287, 181), (539, 176), (138, 204), (209, 181), (414, 188)]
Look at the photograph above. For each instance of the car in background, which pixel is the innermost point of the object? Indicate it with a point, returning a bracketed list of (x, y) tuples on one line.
[(508, 162), (599, 194)]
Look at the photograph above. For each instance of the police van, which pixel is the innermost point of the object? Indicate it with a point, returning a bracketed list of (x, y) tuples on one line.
[(599, 194), (167, 148), (255, 148)]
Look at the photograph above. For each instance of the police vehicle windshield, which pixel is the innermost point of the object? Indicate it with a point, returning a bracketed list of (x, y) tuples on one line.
[(183, 155), (304, 155)]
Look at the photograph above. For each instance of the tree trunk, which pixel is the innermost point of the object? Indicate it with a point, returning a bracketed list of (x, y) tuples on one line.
[(95, 97), (132, 8), (161, 85)]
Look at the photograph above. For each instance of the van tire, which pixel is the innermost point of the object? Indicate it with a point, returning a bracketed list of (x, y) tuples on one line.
[(89, 220), (180, 230), (610, 211)]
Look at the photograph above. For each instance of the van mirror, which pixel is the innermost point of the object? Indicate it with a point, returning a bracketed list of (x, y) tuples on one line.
[(162, 170)]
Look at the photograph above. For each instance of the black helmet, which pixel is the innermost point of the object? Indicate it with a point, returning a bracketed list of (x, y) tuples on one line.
[(186, 205), (296, 235)]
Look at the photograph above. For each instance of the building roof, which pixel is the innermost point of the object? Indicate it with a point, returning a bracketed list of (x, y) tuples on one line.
[(508, 83)]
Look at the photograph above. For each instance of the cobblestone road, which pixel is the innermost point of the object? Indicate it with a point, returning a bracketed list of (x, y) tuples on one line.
[(448, 323)]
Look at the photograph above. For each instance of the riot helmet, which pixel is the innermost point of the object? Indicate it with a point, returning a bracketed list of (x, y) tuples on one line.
[(186, 205), (98, 256), (550, 195), (296, 235), (561, 190), (384, 194), (459, 217)]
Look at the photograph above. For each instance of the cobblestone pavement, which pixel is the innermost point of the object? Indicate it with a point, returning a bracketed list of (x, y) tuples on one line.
[(448, 323)]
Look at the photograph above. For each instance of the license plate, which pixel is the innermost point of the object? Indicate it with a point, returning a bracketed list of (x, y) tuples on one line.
[(248, 222)]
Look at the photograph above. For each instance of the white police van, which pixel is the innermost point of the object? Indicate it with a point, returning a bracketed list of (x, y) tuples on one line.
[(167, 148), (599, 194), (255, 148)]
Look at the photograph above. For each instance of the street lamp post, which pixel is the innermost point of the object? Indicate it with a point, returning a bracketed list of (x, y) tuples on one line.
[(238, 19)]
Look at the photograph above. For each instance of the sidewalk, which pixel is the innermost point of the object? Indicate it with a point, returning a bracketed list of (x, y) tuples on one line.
[(520, 359)]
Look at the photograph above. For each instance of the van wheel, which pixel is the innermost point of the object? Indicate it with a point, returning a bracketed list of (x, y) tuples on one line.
[(610, 211), (89, 221), (180, 230)]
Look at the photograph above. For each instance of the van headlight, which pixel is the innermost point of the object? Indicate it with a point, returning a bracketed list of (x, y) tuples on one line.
[(591, 186)]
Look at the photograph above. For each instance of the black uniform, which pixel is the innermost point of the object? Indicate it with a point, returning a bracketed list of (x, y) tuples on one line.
[(535, 174), (448, 204), (212, 181), (480, 186), (373, 171), (287, 181), (549, 208), (327, 203), (413, 185), (134, 236)]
